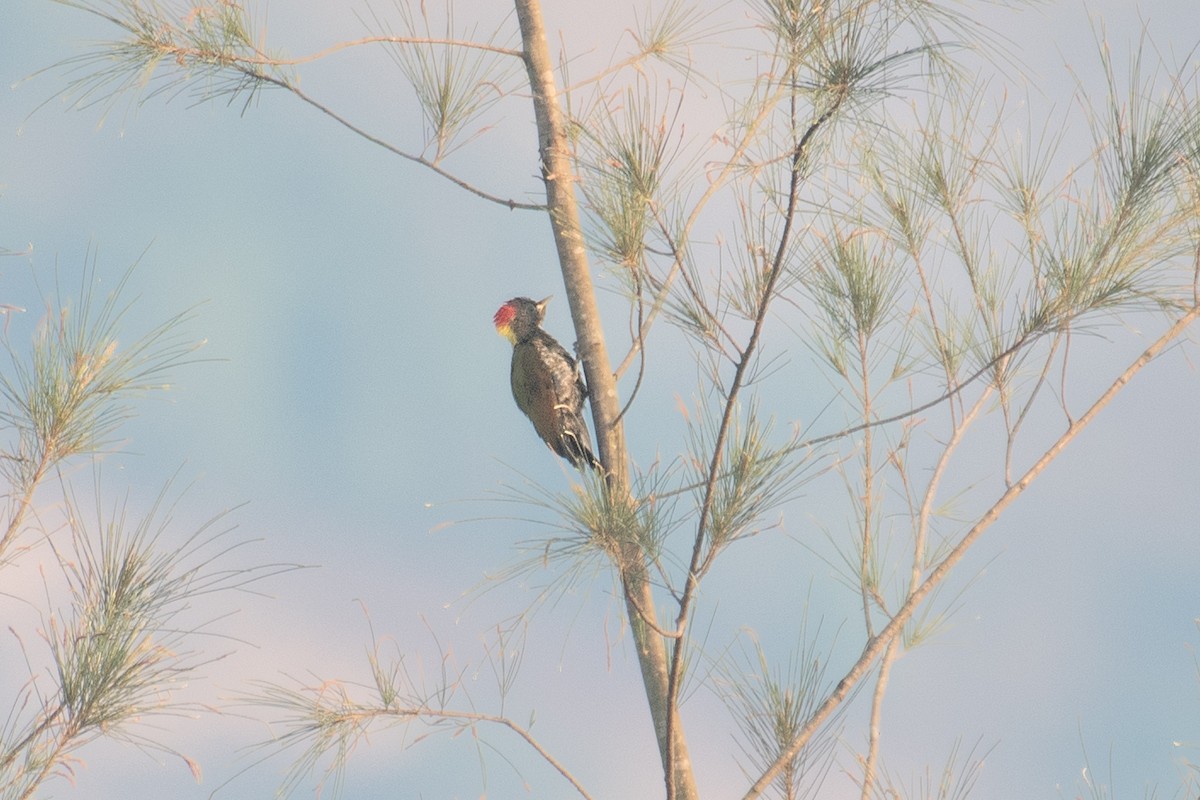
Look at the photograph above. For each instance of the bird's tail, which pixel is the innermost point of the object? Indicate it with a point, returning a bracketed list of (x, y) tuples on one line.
[(579, 453)]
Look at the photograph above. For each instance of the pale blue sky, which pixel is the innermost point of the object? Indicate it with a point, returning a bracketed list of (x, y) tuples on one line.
[(357, 398)]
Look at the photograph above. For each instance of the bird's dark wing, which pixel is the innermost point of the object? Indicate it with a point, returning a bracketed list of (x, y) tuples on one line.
[(568, 383), (548, 388), (533, 388)]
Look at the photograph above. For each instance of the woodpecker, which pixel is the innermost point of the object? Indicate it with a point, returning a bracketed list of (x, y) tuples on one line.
[(545, 381)]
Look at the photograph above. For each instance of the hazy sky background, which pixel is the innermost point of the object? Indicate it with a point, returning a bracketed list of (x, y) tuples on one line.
[(355, 397)]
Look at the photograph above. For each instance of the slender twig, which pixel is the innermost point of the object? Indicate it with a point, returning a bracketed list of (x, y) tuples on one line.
[(21, 748), (639, 343), (25, 502), (652, 622), (263, 59), (678, 244), (515, 728), (920, 542), (1015, 427), (900, 416), (252, 68), (950, 393), (1062, 387), (612, 69), (416, 159), (866, 583), (51, 759), (325, 719), (678, 268)]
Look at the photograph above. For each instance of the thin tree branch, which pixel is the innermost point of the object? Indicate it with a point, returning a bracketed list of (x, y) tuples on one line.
[(920, 543), (251, 68), (876, 646), (864, 575), (265, 60), (639, 342), (881, 682), (416, 159), (949, 394), (512, 726), (1015, 426), (25, 502), (693, 578)]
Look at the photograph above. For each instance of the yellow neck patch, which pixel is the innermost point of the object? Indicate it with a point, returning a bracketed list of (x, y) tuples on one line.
[(504, 320)]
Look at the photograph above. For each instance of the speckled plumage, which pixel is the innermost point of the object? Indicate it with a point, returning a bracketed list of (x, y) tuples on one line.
[(545, 381)]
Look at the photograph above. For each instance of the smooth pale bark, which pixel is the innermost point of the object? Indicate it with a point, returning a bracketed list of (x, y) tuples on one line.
[(602, 388)]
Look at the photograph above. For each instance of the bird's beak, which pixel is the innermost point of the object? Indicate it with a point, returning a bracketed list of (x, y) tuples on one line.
[(541, 304)]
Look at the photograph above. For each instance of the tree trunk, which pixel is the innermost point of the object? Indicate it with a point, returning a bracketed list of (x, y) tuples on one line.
[(602, 386)]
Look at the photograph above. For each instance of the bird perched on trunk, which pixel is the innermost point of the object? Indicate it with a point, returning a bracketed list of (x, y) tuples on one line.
[(545, 381)]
